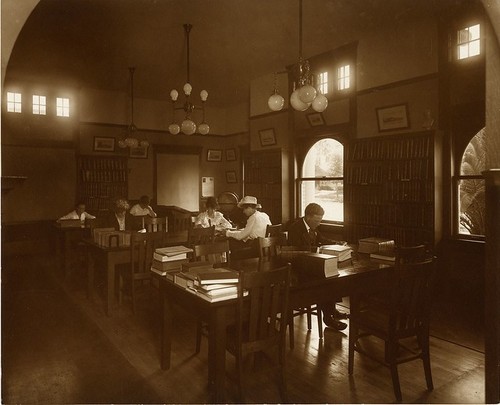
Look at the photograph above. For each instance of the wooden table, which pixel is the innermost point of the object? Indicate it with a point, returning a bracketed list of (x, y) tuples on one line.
[(363, 275), (110, 257)]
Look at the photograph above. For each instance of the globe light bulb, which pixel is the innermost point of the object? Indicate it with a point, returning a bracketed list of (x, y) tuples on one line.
[(174, 129), (203, 128), (307, 93), (203, 95), (276, 102), (297, 103), (144, 144), (188, 127), (187, 89), (122, 144), (174, 94), (320, 103)]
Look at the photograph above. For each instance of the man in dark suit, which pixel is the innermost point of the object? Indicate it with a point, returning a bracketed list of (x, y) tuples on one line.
[(304, 232), (119, 218)]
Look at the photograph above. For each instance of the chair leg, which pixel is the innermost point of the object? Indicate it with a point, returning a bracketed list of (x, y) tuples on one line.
[(353, 336), (423, 340), (199, 327), (291, 331), (282, 371), (309, 317), (392, 354), (239, 370)]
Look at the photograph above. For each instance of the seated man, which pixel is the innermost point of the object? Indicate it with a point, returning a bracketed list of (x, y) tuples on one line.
[(303, 232), (255, 227), (78, 213), (142, 208)]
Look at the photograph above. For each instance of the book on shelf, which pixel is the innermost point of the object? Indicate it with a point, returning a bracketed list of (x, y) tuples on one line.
[(317, 265), (165, 266), (343, 252), (385, 255), (169, 253), (375, 244), (218, 275)]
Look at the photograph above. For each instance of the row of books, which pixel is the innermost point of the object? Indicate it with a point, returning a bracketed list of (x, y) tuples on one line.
[(99, 163), (410, 147), (106, 176)]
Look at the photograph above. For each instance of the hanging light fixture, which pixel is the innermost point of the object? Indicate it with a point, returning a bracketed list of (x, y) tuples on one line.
[(188, 126), (130, 139), (304, 93)]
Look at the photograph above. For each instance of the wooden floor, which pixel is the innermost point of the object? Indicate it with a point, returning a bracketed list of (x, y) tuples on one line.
[(317, 369)]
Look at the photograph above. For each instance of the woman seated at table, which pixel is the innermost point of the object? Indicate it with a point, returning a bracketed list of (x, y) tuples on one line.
[(212, 217), (78, 213), (119, 218)]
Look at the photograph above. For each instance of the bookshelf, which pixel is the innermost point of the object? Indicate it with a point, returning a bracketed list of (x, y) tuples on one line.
[(100, 179), (265, 177), (393, 188)]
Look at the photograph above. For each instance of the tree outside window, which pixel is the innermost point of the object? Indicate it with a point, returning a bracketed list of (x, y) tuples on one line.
[(322, 179)]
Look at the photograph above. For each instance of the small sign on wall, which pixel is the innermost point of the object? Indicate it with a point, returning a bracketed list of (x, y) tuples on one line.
[(207, 187)]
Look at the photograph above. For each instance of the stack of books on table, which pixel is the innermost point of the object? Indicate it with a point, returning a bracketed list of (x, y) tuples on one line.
[(171, 253), (385, 255), (343, 252), (169, 260), (375, 244)]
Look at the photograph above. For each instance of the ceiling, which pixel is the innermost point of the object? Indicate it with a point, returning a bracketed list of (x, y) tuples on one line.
[(91, 43)]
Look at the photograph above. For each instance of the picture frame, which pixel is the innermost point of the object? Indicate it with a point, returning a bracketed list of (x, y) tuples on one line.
[(315, 119), (139, 152), (230, 154), (214, 155), (267, 137), (393, 117), (231, 176), (104, 144)]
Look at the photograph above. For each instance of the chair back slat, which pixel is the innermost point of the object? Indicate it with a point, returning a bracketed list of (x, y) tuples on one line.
[(216, 252), (155, 224), (270, 246), (199, 236), (142, 247)]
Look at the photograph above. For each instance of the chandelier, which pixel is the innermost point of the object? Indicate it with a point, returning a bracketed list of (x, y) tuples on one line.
[(130, 139), (304, 93), (188, 126)]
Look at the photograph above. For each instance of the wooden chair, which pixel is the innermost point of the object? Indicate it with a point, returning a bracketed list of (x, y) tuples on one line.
[(261, 321), (290, 253), (218, 254), (400, 320), (274, 230), (155, 224), (270, 246), (142, 247), (201, 236)]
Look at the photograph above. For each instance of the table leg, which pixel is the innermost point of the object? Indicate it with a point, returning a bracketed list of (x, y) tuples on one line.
[(166, 329), (90, 273), (217, 355), (111, 286)]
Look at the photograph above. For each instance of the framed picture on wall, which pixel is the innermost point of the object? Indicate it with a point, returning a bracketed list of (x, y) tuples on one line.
[(231, 176), (214, 155), (392, 117), (315, 119), (104, 144), (230, 154), (139, 152), (267, 137)]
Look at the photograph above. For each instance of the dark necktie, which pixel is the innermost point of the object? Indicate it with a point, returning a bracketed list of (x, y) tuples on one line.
[(312, 237)]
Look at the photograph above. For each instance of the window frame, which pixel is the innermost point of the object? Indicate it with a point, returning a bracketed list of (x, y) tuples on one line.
[(14, 103)]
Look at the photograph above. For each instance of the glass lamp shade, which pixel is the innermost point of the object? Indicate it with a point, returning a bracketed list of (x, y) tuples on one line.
[(203, 95), (144, 144), (297, 103), (188, 127), (187, 89), (132, 142), (122, 144), (320, 103), (203, 128), (276, 102), (307, 93), (174, 94), (174, 129)]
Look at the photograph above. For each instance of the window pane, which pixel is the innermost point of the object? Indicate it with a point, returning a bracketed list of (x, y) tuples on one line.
[(325, 158), (471, 207), (474, 32), (474, 157), (474, 48), (327, 193)]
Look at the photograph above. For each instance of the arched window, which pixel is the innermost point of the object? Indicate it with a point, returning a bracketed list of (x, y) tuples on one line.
[(322, 179), (470, 188)]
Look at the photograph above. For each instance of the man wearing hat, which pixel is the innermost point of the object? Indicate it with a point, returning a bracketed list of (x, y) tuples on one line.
[(257, 222)]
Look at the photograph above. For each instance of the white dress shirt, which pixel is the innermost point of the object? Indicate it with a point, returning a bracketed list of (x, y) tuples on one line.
[(74, 215), (255, 228)]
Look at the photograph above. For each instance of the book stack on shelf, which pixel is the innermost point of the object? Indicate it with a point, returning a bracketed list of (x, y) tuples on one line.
[(343, 252)]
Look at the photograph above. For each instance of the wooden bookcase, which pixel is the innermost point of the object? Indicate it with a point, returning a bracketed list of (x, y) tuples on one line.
[(265, 176), (393, 188), (100, 179)]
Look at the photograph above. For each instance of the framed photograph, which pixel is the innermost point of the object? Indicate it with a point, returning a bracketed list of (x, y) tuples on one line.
[(267, 137), (140, 152), (231, 177), (315, 119), (214, 155), (104, 144), (392, 117), (230, 154)]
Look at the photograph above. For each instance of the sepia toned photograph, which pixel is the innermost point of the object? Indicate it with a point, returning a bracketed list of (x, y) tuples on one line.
[(313, 219)]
